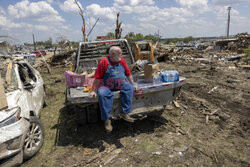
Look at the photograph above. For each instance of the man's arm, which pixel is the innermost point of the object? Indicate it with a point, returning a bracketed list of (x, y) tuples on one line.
[(92, 93), (128, 73), (99, 73), (130, 79)]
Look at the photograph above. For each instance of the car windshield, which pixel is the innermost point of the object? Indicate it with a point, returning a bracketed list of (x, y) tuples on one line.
[(10, 83)]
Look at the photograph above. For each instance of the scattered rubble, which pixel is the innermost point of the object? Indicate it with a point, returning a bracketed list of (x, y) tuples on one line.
[(208, 122)]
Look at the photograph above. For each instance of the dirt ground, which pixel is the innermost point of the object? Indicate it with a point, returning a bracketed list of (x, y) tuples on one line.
[(210, 128)]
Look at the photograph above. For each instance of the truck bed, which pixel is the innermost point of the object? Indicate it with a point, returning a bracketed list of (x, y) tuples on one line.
[(153, 96)]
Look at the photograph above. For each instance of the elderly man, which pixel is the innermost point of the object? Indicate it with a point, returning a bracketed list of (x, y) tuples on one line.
[(113, 74)]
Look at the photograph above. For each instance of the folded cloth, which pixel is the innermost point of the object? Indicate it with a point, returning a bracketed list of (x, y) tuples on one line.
[(87, 89)]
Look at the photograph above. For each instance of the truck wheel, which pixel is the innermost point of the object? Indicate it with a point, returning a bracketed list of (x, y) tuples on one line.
[(80, 115), (92, 113), (34, 138)]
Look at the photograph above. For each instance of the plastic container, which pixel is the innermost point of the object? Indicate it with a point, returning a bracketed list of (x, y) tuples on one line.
[(157, 79), (169, 76), (177, 76), (141, 63), (73, 79)]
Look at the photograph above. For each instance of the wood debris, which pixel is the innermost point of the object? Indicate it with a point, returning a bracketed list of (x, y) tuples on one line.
[(103, 157), (210, 116), (3, 99), (176, 104), (213, 89), (108, 158), (48, 68)]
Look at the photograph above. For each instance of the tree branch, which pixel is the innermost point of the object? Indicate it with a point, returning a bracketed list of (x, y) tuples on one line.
[(83, 20)]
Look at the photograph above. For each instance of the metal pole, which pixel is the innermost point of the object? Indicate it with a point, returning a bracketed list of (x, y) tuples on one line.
[(158, 35), (34, 42), (92, 27), (228, 21)]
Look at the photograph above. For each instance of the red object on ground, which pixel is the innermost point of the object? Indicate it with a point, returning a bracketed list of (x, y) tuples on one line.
[(103, 65), (37, 53), (43, 53)]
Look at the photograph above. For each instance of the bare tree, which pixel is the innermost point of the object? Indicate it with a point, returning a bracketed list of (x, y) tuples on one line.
[(118, 29), (83, 21)]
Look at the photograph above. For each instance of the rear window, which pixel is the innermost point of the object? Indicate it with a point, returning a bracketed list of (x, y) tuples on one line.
[(91, 53), (100, 49)]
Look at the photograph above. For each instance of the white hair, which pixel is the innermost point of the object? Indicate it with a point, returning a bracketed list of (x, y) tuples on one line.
[(114, 49)]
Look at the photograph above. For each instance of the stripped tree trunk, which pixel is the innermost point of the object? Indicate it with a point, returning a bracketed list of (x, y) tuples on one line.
[(83, 22), (118, 27)]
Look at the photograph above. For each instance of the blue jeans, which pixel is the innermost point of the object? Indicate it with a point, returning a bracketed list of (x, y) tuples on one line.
[(105, 97)]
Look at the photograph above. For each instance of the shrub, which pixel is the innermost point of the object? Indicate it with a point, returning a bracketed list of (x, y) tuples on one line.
[(246, 58)]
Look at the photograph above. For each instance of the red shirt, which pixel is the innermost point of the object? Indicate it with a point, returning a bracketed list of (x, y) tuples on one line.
[(103, 65)]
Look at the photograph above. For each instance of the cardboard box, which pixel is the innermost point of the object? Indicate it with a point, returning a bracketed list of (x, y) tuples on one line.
[(3, 99), (150, 70)]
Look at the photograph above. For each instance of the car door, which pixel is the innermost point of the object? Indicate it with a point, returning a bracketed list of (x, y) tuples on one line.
[(33, 86), (38, 92)]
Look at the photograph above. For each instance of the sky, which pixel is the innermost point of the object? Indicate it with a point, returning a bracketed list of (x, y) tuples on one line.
[(172, 18)]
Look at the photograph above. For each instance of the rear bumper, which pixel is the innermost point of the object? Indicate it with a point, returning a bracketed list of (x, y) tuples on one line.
[(11, 142), (77, 96)]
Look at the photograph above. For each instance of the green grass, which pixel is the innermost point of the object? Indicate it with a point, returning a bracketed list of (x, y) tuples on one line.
[(246, 58)]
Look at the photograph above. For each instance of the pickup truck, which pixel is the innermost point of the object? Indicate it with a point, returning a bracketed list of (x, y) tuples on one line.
[(152, 97)]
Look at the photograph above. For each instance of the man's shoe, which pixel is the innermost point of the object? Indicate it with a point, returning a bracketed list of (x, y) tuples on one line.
[(108, 126), (126, 117)]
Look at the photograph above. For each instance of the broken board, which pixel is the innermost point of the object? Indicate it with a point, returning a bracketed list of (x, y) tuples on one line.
[(245, 66), (8, 73), (3, 99)]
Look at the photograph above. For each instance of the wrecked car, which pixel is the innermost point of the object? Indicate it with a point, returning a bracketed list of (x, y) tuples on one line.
[(22, 96)]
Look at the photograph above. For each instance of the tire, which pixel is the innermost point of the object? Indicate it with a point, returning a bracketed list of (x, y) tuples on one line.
[(80, 115), (92, 114), (35, 134), (88, 114)]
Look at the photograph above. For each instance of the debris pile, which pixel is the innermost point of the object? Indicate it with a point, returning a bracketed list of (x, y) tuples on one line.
[(237, 44), (63, 57), (242, 42)]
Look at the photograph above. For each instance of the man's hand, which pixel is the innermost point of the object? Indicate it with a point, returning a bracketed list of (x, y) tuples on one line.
[(92, 94), (135, 87)]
